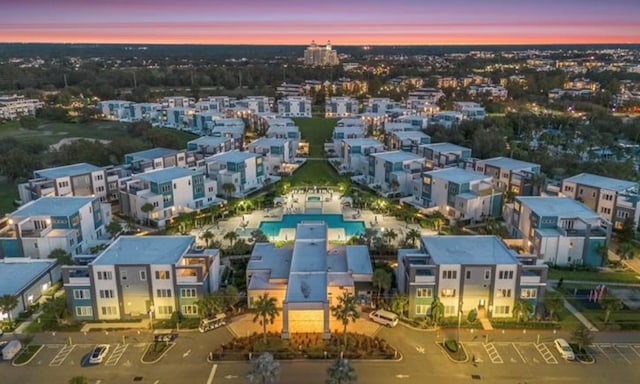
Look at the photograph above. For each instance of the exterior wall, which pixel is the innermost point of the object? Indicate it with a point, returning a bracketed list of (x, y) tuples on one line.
[(167, 284), (105, 309), (279, 294)]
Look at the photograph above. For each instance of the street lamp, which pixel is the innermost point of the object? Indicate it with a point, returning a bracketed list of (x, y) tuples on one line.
[(459, 321)]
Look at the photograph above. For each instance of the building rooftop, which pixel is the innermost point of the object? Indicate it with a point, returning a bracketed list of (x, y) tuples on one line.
[(268, 257), (53, 206), (468, 250), (268, 142), (602, 182), (445, 147), (151, 154), (457, 175), (509, 163), (362, 142), (397, 156), (165, 175), (66, 171), (209, 141), (404, 135), (307, 287), (234, 156), (132, 250), (15, 276), (551, 206), (358, 260)]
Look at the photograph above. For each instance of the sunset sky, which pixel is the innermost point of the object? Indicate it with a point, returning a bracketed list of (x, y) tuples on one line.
[(344, 22)]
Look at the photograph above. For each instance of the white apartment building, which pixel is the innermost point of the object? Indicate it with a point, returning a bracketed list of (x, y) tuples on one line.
[(14, 107), (317, 55), (118, 110), (155, 158), (493, 91), (354, 154), (208, 145), (509, 174), (428, 95), (176, 117), (276, 152), (217, 104), (470, 110), (246, 171), (381, 105), (341, 107), (442, 155), (391, 173), (177, 102), (294, 106), (447, 119), (407, 141)]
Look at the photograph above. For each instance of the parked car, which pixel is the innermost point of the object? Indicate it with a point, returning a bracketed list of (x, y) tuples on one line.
[(209, 324), (165, 337), (565, 349), (11, 349), (99, 353), (385, 318)]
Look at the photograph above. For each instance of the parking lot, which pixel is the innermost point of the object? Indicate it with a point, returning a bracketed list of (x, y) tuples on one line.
[(64, 355), (626, 354)]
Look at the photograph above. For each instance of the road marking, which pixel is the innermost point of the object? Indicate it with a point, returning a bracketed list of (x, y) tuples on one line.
[(602, 350), (622, 354), (61, 355), (117, 353), (519, 354), (156, 382), (401, 376), (546, 354), (493, 353), (229, 377), (212, 373), (633, 348), (420, 349), (186, 353)]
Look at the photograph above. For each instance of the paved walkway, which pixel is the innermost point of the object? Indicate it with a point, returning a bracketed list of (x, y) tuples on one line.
[(486, 324), (576, 313), (144, 324), (586, 282)]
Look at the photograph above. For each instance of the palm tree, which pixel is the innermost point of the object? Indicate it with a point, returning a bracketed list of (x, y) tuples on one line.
[(437, 310), (626, 250), (382, 280), (390, 235), (7, 304), (228, 189), (413, 235), (345, 311), (146, 209), (368, 235), (265, 369), (341, 372), (582, 336), (610, 304), (207, 236), (61, 256), (553, 301), (399, 303), (265, 310), (258, 236), (522, 309), (231, 236)]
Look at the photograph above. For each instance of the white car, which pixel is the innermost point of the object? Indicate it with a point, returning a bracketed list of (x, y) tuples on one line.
[(98, 354), (565, 349)]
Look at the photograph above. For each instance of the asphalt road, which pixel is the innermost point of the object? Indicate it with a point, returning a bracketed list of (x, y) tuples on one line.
[(509, 357)]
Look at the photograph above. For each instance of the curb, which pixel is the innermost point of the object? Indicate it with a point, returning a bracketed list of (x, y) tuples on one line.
[(28, 361), (170, 345), (418, 329), (593, 360), (442, 349)]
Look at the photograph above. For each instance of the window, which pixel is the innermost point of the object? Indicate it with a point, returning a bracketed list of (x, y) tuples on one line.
[(190, 309), (468, 273), (187, 292), (100, 188), (421, 310), (505, 275), (106, 293), (163, 293), (98, 177), (424, 292), (449, 310), (143, 275), (123, 275), (503, 293), (164, 309), (606, 211), (105, 275), (109, 310), (622, 214), (84, 311), (81, 294), (607, 196), (501, 310), (528, 293), (156, 204), (163, 275), (487, 274), (448, 292), (449, 274)]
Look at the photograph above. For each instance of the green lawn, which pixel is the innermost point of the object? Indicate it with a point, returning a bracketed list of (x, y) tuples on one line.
[(8, 193), (316, 172), (316, 131), (611, 277)]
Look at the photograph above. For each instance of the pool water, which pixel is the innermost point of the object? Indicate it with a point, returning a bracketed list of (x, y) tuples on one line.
[(351, 228), (313, 198)]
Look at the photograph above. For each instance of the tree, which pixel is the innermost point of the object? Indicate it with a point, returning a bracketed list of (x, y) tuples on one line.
[(399, 303), (231, 236), (78, 380), (258, 236), (627, 232), (553, 302), (229, 189), (522, 310), (345, 311), (602, 250), (437, 310), (265, 369), (211, 304), (341, 372), (382, 281), (56, 308), (207, 236), (146, 209), (7, 304), (114, 228), (368, 235), (626, 250), (610, 303), (390, 235), (265, 310), (582, 336), (231, 297), (61, 256), (413, 235)]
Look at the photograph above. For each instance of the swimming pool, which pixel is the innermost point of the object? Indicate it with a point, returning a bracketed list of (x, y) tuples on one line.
[(351, 228), (313, 198)]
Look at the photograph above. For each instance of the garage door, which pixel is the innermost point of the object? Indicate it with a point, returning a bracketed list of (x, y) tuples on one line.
[(306, 321)]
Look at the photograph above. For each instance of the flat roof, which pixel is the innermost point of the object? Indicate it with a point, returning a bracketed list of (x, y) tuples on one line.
[(410, 134), (602, 182), (556, 206), (164, 175), (209, 140), (307, 287), (151, 154), (129, 250), (457, 175), (16, 276), (269, 141), (358, 260), (445, 147), (268, 257), (396, 156), (468, 250), (234, 156), (54, 206), (509, 163), (363, 142), (66, 171)]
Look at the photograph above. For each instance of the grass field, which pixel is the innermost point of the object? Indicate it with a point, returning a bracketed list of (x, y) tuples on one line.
[(316, 172), (8, 193), (610, 277), (316, 131)]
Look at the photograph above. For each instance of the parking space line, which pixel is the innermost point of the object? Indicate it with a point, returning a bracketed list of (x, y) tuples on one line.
[(622, 354), (633, 348), (546, 354), (61, 355), (117, 353), (519, 354), (493, 353), (602, 350)]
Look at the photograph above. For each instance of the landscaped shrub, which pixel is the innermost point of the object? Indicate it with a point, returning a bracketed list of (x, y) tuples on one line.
[(451, 345)]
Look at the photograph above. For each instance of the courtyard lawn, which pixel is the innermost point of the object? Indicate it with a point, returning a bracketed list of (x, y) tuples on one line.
[(8, 193), (629, 277), (316, 131), (316, 172), (577, 295)]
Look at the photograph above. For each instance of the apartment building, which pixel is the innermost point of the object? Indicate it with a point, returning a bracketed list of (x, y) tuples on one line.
[(155, 158), (276, 152), (468, 273), (354, 154), (381, 105), (307, 279), (294, 106), (118, 110), (217, 104), (400, 126), (40, 226), (422, 107), (456, 193), (170, 191), (26, 280), (492, 91), (447, 119), (177, 117), (420, 122), (407, 141), (287, 90), (519, 177), (145, 111), (246, 171), (391, 173), (208, 145), (177, 102), (470, 110), (428, 95), (14, 107), (252, 105), (201, 122), (341, 107), (142, 277), (613, 199), (443, 155), (316, 55), (558, 230)]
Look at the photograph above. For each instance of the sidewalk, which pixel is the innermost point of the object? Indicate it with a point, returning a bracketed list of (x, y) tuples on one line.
[(144, 324), (587, 282), (576, 313)]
